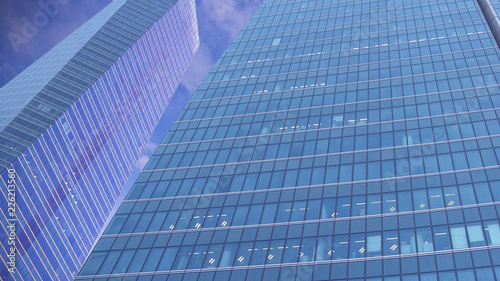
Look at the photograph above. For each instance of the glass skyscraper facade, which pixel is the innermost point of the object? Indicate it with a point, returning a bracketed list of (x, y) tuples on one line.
[(333, 140), (74, 124)]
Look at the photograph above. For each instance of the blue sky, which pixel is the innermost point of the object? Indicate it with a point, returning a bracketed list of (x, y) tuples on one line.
[(29, 28)]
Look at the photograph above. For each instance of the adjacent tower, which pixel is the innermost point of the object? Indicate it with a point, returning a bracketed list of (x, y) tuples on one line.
[(333, 140), (73, 125)]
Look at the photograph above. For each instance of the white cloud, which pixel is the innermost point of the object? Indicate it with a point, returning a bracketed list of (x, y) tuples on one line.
[(197, 71), (229, 15), (145, 155), (219, 23)]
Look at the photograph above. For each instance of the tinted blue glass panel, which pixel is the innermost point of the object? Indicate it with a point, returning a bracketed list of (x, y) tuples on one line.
[(82, 115), (340, 140)]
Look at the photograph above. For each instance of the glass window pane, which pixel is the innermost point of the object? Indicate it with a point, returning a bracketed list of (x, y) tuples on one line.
[(458, 237)]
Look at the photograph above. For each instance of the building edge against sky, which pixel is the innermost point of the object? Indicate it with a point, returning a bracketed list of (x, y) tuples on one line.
[(94, 100), (333, 140)]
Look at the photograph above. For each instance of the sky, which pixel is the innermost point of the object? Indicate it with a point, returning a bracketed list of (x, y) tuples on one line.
[(29, 28)]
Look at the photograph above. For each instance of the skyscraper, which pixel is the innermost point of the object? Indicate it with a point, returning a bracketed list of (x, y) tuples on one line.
[(333, 140), (73, 126)]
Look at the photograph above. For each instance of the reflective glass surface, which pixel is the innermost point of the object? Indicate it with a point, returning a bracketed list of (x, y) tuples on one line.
[(333, 140), (69, 178)]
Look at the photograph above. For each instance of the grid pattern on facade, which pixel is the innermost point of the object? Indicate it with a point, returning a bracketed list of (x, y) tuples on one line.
[(70, 177), (333, 140), (59, 78)]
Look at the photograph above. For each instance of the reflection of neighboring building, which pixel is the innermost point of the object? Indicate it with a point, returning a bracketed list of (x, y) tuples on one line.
[(74, 124), (398, 181)]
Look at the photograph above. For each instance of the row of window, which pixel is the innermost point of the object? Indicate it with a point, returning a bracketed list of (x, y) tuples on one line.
[(347, 145), (325, 97), (439, 188), (392, 201), (339, 116), (397, 87), (415, 160), (374, 70), (343, 23), (196, 213), (302, 111), (352, 225), (431, 44), (342, 99), (347, 139), (313, 9), (411, 129), (423, 268), (338, 15), (307, 162), (434, 54), (158, 189), (322, 174), (435, 78), (403, 33), (320, 170), (471, 36), (145, 253)]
